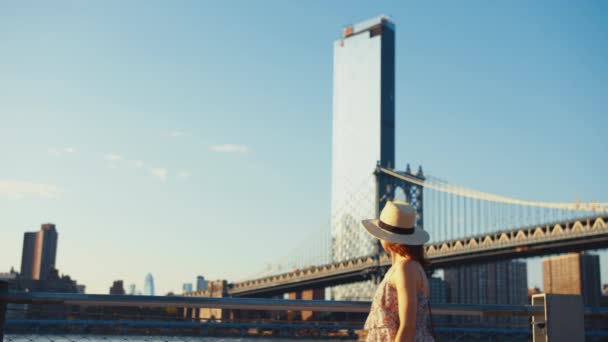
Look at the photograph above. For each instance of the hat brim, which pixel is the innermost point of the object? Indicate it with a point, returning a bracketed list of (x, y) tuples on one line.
[(419, 237)]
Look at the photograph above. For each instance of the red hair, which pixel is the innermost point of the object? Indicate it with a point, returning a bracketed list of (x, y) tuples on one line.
[(409, 251)]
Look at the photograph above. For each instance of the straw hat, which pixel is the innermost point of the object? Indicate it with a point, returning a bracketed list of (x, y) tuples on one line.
[(397, 224)]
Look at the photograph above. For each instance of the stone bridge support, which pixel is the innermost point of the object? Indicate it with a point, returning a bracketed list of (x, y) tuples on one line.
[(216, 289), (309, 294)]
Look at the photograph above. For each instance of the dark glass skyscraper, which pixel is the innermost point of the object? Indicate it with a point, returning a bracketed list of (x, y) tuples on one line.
[(504, 282), (39, 252), (27, 255)]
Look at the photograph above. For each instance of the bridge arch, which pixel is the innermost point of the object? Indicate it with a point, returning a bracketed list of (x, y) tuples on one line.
[(400, 194)]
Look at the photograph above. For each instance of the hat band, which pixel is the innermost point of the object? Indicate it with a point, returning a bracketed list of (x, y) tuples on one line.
[(396, 230)]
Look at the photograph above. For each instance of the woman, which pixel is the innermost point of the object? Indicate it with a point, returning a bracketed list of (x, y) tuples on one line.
[(400, 309)]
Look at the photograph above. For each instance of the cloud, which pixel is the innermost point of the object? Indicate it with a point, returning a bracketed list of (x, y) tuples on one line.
[(61, 151), (160, 173), (116, 160), (176, 134), (11, 188), (183, 175), (113, 157), (136, 163), (230, 148)]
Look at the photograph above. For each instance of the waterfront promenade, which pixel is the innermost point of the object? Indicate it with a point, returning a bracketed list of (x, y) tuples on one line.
[(66, 317)]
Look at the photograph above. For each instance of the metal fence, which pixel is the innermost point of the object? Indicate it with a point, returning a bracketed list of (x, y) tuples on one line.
[(78, 317)]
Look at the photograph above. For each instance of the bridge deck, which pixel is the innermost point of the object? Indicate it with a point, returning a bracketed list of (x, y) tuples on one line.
[(585, 234)]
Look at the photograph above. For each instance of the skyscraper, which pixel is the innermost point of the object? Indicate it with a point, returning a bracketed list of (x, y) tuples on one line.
[(187, 287), (39, 252), (117, 288), (574, 273), (27, 255), (363, 134), (201, 283), (504, 282), (149, 285)]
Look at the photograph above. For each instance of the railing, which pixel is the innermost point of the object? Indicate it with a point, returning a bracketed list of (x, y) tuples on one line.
[(264, 304), (118, 314)]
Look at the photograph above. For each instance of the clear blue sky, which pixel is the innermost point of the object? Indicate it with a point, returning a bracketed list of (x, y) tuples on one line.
[(194, 137)]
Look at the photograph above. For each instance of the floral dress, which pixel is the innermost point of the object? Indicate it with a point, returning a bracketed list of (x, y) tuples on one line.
[(383, 320)]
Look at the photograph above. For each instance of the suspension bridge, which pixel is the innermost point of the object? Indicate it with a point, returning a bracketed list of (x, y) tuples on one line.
[(466, 226)]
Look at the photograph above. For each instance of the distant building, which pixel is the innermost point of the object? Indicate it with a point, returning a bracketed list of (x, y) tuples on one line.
[(201, 283), (8, 276), (187, 287), (13, 311), (439, 290), (574, 273), (53, 283), (132, 289), (117, 288), (149, 285), (504, 282), (27, 255), (38, 271), (39, 252)]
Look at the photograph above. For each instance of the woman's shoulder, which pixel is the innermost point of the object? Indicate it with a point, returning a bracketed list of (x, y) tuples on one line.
[(406, 264), (405, 268), (406, 273)]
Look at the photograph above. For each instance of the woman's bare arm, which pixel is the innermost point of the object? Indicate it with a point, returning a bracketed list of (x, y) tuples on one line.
[(406, 279)]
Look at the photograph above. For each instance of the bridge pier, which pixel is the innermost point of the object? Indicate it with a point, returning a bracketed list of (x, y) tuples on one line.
[(216, 289), (309, 294)]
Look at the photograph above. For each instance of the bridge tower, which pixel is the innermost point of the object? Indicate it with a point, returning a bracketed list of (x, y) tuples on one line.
[(387, 186)]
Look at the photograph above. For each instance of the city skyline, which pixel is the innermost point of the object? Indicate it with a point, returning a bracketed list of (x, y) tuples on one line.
[(139, 140)]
